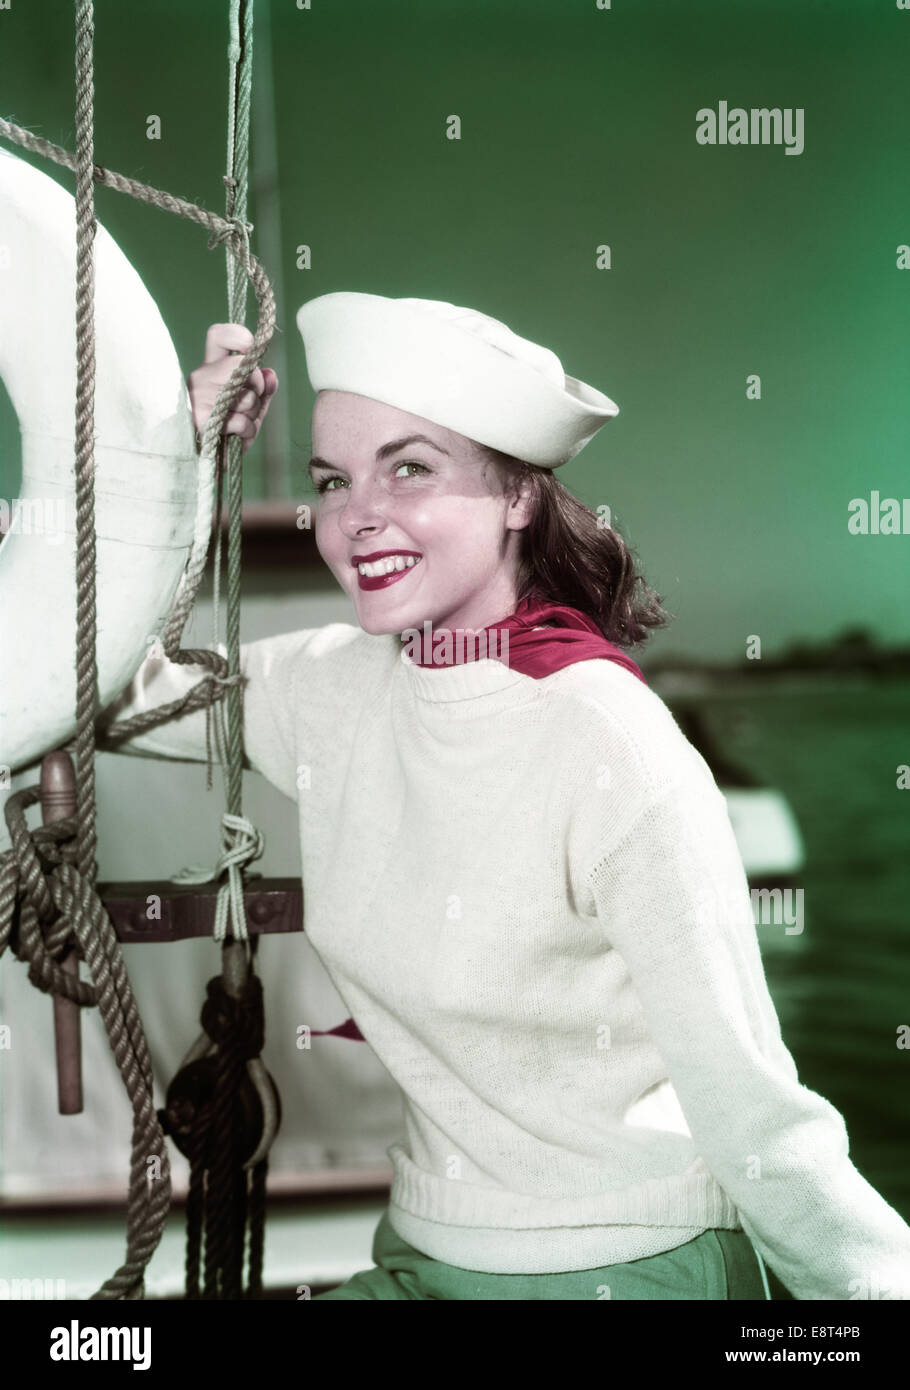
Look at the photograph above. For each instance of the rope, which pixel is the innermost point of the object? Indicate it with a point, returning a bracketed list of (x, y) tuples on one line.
[(195, 1206), (86, 619), (234, 234), (257, 1228), (214, 1112), (242, 843), (47, 892), (227, 1189), (223, 1257), (223, 1197), (237, 182), (60, 901)]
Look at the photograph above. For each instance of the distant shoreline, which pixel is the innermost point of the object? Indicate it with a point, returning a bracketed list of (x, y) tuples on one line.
[(769, 682)]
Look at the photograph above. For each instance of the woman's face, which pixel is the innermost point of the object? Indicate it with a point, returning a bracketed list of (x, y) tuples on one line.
[(431, 500)]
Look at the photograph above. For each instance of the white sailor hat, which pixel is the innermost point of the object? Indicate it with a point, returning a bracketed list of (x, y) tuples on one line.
[(456, 367)]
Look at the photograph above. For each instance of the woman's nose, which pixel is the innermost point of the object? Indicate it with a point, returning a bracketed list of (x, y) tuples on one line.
[(361, 512)]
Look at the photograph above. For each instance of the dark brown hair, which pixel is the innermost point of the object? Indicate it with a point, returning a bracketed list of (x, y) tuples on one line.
[(568, 556)]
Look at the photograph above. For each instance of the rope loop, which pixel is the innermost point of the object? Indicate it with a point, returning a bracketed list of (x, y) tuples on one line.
[(242, 843), (48, 899), (238, 232), (236, 679), (38, 926)]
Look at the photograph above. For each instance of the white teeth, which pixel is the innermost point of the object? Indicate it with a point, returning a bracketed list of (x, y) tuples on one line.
[(386, 565)]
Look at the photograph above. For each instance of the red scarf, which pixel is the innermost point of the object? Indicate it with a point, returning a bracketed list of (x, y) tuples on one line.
[(534, 653), (576, 637)]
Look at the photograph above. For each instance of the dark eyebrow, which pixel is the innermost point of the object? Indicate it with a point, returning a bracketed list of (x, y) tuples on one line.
[(385, 450)]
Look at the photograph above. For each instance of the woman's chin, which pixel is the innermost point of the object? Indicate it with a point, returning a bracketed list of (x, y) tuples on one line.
[(375, 629), (378, 624)]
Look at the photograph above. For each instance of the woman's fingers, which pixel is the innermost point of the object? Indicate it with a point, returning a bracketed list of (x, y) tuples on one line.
[(255, 380), (248, 426), (255, 402), (242, 425), (212, 376), (224, 338), (270, 386), (222, 343), (247, 403)]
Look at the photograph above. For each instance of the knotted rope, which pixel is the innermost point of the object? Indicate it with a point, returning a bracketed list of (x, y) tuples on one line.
[(47, 893), (234, 1198), (241, 841)]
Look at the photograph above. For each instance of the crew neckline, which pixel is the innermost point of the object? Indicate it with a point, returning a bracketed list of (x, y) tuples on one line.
[(467, 680)]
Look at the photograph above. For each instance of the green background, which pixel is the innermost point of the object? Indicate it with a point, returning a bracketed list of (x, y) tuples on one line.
[(578, 130)]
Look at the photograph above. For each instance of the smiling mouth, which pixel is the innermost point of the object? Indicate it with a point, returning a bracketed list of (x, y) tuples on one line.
[(381, 573)]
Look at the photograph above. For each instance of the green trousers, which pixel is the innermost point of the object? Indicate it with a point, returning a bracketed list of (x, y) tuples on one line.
[(716, 1264)]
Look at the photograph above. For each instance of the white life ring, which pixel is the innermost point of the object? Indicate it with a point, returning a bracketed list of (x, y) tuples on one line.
[(149, 482)]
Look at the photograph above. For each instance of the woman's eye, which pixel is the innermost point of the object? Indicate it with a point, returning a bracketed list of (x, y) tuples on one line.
[(323, 485)]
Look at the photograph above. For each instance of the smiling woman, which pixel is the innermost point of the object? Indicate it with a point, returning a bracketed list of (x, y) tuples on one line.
[(377, 569), (518, 872), (417, 495), (491, 529)]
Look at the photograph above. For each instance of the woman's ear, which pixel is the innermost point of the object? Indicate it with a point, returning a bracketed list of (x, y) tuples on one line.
[(522, 495)]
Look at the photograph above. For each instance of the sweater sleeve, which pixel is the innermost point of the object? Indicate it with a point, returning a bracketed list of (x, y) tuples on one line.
[(673, 901), (278, 670)]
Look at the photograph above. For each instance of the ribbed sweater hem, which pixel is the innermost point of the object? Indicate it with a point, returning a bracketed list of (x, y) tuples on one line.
[(551, 1251), (491, 1230)]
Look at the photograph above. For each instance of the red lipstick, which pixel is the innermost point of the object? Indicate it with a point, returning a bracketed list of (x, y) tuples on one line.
[(382, 581)]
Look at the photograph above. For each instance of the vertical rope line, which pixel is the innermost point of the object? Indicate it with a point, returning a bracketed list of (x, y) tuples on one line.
[(214, 712), (72, 883), (241, 157), (229, 720), (226, 1193), (147, 1209), (237, 290), (257, 1228), (86, 618)]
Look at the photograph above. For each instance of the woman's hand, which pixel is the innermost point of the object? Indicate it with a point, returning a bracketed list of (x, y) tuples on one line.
[(222, 342)]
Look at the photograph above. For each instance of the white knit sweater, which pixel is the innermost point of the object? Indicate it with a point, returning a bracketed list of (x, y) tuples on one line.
[(529, 895)]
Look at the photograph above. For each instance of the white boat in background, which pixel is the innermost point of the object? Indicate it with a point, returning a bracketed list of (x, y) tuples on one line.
[(766, 831), (764, 823)]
